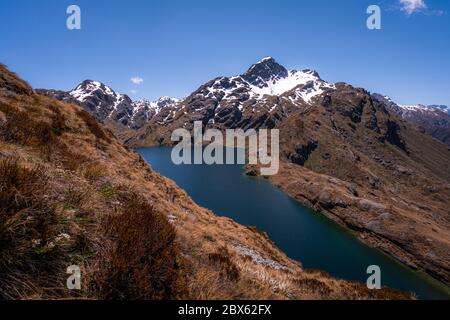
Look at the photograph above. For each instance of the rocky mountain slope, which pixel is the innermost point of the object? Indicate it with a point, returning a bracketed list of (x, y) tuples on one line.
[(345, 152), (72, 194), (433, 120)]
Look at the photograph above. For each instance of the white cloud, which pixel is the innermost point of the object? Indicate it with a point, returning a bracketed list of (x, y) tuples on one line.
[(411, 6), (133, 91), (137, 80)]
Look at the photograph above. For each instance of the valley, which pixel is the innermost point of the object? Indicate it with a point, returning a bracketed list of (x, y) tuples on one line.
[(354, 156)]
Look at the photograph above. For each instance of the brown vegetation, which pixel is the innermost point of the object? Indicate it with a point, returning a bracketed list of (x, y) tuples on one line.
[(138, 254)]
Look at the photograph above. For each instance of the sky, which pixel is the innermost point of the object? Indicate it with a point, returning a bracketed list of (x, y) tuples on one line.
[(153, 48)]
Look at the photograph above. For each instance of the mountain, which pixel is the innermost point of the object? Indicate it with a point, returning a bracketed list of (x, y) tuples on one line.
[(444, 108), (433, 120), (72, 194), (225, 101), (261, 97), (108, 106), (346, 153)]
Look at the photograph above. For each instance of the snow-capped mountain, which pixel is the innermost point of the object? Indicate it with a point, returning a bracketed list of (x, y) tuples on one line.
[(144, 110), (266, 93), (434, 120), (105, 104), (262, 96), (265, 78), (444, 108)]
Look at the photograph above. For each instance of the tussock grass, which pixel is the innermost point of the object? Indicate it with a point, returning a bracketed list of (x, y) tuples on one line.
[(223, 260), (139, 257), (25, 217), (11, 82)]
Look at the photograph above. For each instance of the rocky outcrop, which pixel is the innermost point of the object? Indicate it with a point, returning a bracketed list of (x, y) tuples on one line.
[(302, 152)]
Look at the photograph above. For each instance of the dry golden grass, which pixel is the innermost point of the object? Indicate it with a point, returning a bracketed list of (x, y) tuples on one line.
[(138, 258)]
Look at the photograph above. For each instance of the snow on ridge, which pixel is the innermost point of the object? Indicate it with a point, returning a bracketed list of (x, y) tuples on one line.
[(416, 107), (87, 88), (153, 106), (313, 86), (293, 80)]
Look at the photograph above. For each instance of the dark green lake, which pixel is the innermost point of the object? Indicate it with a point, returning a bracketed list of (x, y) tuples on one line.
[(301, 233)]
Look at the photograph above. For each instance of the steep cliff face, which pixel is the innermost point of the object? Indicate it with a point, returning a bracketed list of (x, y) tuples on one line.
[(72, 194)]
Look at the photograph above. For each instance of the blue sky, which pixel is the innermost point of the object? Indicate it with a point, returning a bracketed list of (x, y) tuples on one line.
[(177, 45)]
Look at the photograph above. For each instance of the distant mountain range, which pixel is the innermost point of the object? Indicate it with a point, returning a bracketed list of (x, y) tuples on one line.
[(433, 120), (106, 104), (262, 96)]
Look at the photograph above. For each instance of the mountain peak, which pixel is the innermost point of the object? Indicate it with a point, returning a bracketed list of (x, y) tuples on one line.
[(267, 69)]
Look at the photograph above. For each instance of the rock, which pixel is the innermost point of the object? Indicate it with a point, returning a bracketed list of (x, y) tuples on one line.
[(252, 171), (352, 189), (374, 226), (302, 152), (371, 206), (328, 201), (386, 216), (403, 170)]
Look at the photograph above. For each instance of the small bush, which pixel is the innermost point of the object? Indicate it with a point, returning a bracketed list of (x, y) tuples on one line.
[(139, 258)]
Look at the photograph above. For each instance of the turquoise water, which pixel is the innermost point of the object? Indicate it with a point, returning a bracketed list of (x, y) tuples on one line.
[(302, 234)]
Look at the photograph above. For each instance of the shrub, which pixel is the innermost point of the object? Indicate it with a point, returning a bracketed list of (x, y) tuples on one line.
[(139, 257), (20, 187), (16, 128)]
